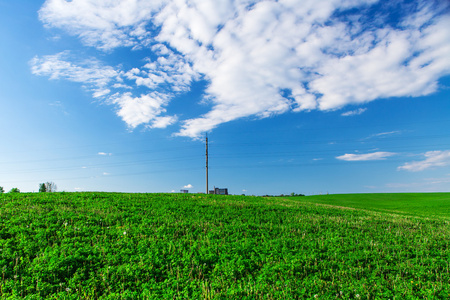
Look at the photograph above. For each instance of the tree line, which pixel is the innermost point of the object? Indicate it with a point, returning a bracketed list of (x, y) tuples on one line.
[(47, 187)]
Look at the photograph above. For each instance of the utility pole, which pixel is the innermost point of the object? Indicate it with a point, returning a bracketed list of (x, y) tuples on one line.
[(207, 189)]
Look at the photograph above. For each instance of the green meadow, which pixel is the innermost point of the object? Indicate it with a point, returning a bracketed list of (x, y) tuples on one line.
[(431, 205), (192, 246)]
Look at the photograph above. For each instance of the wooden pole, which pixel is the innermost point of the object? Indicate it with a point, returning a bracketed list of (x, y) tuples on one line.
[(207, 188)]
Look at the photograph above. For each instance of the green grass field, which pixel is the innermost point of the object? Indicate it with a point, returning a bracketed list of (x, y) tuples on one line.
[(189, 246), (431, 205)]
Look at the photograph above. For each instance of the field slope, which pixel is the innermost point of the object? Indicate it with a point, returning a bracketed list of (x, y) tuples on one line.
[(187, 246), (432, 205)]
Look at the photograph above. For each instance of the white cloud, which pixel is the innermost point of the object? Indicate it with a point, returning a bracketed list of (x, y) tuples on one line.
[(56, 104), (105, 24), (438, 180), (170, 70), (90, 72), (355, 112), (134, 110), (138, 110), (104, 154), (383, 134), (163, 122), (189, 186), (260, 58), (432, 159), (423, 185), (365, 157), (386, 133), (370, 187), (59, 107)]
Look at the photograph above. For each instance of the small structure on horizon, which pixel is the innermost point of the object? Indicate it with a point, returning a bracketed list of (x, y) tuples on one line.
[(219, 191), (184, 191)]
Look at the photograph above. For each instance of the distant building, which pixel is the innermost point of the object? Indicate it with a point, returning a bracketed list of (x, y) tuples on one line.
[(221, 191), (218, 191), (184, 191)]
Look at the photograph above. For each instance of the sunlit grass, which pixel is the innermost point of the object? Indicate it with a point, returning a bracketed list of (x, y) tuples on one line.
[(165, 246), (414, 204)]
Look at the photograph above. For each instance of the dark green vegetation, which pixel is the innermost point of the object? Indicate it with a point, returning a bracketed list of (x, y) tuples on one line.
[(14, 190), (186, 246)]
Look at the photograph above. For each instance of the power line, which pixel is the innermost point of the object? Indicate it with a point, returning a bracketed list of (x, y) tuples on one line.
[(269, 154)]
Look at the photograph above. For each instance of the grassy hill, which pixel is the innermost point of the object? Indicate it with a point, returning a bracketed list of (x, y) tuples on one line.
[(432, 205), (188, 246)]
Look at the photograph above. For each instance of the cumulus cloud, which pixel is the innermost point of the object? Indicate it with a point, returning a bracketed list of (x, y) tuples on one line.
[(189, 186), (365, 157), (137, 110), (432, 159), (102, 81), (259, 58), (163, 122), (170, 71), (104, 24)]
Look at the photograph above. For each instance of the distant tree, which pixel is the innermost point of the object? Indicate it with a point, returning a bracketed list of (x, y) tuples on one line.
[(50, 187), (42, 188), (14, 190), (1, 189)]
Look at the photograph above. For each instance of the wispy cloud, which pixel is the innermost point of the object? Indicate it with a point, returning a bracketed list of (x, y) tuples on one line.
[(370, 187), (59, 106), (365, 157), (424, 185), (355, 112), (259, 58), (94, 76), (433, 159), (383, 134), (104, 154)]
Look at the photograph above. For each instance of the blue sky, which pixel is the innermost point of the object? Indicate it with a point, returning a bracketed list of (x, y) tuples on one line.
[(336, 96)]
